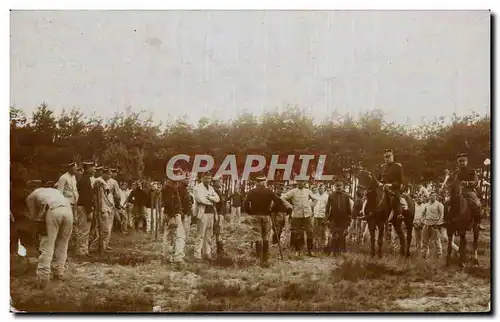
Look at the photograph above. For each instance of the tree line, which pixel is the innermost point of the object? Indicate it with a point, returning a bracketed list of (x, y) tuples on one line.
[(139, 145)]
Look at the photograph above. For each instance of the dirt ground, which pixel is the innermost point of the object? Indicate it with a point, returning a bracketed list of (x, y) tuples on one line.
[(134, 278)]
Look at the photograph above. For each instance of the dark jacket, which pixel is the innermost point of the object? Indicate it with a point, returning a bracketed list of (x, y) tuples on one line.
[(467, 174), (85, 192), (220, 206), (237, 199), (279, 206), (259, 201), (186, 199), (138, 198), (171, 200), (391, 173), (338, 210)]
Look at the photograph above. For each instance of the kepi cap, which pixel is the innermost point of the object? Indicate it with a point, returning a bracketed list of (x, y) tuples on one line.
[(87, 164), (69, 164), (260, 178)]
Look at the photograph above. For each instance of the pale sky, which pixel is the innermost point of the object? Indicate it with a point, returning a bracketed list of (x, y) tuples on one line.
[(410, 64)]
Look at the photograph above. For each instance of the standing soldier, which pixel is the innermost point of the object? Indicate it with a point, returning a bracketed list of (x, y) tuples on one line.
[(206, 198), (186, 203), (279, 212), (220, 214), (124, 207), (107, 207), (68, 187), (236, 202), (391, 176), (84, 209), (319, 220), (301, 217), (338, 212), (139, 199), (51, 212), (115, 192), (174, 238), (258, 205)]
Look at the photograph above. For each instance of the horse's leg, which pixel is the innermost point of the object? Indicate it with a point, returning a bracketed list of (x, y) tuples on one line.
[(409, 235), (474, 245), (463, 245), (449, 232), (371, 228), (381, 227), (399, 231)]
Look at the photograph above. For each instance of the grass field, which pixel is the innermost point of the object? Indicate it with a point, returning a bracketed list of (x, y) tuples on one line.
[(133, 278)]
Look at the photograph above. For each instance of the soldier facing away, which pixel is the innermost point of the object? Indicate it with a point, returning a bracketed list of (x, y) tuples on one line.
[(258, 205), (51, 212)]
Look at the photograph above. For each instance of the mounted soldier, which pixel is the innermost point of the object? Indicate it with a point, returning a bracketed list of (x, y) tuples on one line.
[(463, 212), (468, 177), (391, 175)]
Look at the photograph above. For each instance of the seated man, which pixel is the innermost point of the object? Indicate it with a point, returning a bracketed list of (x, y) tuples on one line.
[(391, 176), (468, 177)]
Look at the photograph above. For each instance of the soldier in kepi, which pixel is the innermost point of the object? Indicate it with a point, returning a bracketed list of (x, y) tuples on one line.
[(85, 209), (258, 205), (469, 179), (67, 186), (175, 235), (391, 176)]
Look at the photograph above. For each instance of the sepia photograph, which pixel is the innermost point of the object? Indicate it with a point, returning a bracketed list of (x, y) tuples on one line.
[(244, 161)]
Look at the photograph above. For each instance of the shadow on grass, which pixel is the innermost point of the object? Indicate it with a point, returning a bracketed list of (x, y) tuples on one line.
[(63, 298)]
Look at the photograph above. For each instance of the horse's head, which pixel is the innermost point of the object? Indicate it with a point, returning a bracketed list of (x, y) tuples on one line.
[(365, 179)]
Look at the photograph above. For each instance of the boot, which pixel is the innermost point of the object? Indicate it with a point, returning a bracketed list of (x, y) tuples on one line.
[(310, 248), (265, 254), (220, 247), (258, 249)]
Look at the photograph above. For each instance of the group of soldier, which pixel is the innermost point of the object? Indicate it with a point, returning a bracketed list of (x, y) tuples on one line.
[(318, 219)]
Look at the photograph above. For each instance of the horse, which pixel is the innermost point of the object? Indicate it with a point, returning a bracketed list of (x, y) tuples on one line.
[(378, 202), (458, 219)]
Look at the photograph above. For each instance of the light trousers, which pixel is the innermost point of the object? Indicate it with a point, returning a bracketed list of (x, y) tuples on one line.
[(54, 245)]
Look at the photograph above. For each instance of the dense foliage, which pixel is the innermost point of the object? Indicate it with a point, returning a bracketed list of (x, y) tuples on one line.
[(141, 146)]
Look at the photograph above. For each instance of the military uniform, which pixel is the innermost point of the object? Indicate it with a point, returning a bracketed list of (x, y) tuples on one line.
[(338, 213), (187, 206), (175, 237), (68, 187), (392, 173), (85, 210), (258, 205), (469, 175), (51, 212)]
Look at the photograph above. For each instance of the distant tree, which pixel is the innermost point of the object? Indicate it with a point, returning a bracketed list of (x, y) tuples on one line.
[(141, 147)]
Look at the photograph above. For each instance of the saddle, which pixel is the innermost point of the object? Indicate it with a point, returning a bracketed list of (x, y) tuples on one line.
[(404, 206), (402, 200)]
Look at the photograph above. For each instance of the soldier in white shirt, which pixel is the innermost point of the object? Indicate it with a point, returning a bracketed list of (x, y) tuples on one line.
[(107, 207), (417, 223), (67, 184), (68, 187), (432, 219), (206, 198), (52, 214), (319, 221), (125, 207), (301, 220)]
